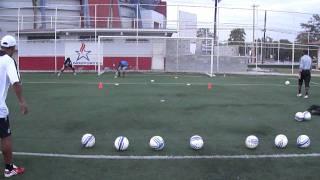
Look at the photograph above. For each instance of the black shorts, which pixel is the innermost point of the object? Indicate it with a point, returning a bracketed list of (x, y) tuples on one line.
[(306, 77), (5, 130), (68, 65)]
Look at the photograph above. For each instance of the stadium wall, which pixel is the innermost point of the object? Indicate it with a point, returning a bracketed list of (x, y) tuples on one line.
[(47, 63)]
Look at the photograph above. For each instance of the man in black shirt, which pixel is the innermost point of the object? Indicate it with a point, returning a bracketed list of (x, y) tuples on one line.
[(67, 63)]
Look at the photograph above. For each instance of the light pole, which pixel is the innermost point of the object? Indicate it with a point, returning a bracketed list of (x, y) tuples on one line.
[(215, 21)]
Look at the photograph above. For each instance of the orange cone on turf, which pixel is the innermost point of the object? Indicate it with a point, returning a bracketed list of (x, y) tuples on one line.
[(100, 85), (209, 86)]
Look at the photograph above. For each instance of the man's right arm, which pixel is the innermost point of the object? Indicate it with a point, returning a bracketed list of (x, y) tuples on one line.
[(22, 103)]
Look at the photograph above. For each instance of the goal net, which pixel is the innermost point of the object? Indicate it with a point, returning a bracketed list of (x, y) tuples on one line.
[(165, 54)]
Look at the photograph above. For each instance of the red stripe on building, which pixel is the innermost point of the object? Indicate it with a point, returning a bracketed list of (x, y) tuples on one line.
[(48, 63)]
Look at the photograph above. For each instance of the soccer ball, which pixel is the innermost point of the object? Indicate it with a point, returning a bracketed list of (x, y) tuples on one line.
[(156, 143), (196, 142), (252, 141), (299, 116), (287, 82), (121, 143), (303, 141), (281, 141), (152, 80), (307, 115), (88, 140)]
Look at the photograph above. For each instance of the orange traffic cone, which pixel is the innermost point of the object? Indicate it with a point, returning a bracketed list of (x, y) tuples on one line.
[(209, 86), (100, 85)]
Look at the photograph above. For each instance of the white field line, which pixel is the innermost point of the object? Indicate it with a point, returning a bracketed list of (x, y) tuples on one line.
[(148, 83), (311, 82), (314, 83), (115, 157)]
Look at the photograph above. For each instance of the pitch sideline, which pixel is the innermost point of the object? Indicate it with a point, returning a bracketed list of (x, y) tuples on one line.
[(173, 157)]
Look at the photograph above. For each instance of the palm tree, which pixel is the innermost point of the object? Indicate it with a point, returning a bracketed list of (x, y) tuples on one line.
[(34, 5)]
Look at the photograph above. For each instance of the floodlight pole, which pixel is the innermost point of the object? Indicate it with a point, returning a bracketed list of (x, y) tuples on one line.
[(253, 52), (215, 23)]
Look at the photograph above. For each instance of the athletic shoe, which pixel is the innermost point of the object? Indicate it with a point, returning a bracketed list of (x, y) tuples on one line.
[(299, 95), (15, 171), (306, 96)]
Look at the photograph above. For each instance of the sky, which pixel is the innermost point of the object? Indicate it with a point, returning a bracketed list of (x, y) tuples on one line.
[(283, 16)]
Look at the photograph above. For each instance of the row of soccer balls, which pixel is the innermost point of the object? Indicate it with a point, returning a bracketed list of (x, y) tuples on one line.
[(280, 141), (156, 142), (302, 116), (196, 142)]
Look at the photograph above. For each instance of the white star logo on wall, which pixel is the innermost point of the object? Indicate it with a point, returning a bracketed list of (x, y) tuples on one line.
[(82, 53)]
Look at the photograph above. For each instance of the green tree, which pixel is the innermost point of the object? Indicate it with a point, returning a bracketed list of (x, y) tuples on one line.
[(311, 29), (237, 37)]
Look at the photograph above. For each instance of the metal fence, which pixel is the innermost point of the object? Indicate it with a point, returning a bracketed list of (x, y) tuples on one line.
[(269, 43)]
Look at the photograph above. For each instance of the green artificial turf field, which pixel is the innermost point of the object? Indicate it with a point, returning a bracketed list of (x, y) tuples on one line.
[(63, 109)]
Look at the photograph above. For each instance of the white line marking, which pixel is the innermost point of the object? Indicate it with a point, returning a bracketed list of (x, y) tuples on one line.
[(315, 83), (145, 83), (115, 157)]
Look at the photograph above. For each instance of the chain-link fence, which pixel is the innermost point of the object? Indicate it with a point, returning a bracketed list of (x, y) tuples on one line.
[(159, 37)]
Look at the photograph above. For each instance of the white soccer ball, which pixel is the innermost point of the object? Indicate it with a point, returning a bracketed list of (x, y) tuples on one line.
[(287, 82), (307, 115), (88, 140), (121, 143), (281, 141), (157, 143), (196, 142), (299, 116), (252, 141), (303, 141), (152, 80)]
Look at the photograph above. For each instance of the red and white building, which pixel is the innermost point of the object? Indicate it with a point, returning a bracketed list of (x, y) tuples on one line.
[(50, 32)]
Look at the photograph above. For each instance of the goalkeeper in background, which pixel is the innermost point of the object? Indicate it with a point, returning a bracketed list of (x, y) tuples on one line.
[(122, 67), (67, 63)]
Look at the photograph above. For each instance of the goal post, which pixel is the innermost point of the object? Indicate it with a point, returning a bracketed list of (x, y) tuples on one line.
[(156, 54)]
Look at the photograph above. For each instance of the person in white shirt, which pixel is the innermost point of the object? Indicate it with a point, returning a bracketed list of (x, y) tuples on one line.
[(305, 66), (9, 76)]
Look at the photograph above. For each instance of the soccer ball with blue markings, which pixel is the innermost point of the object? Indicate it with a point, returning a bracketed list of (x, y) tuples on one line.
[(121, 143), (252, 142), (157, 143), (88, 140), (303, 141)]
